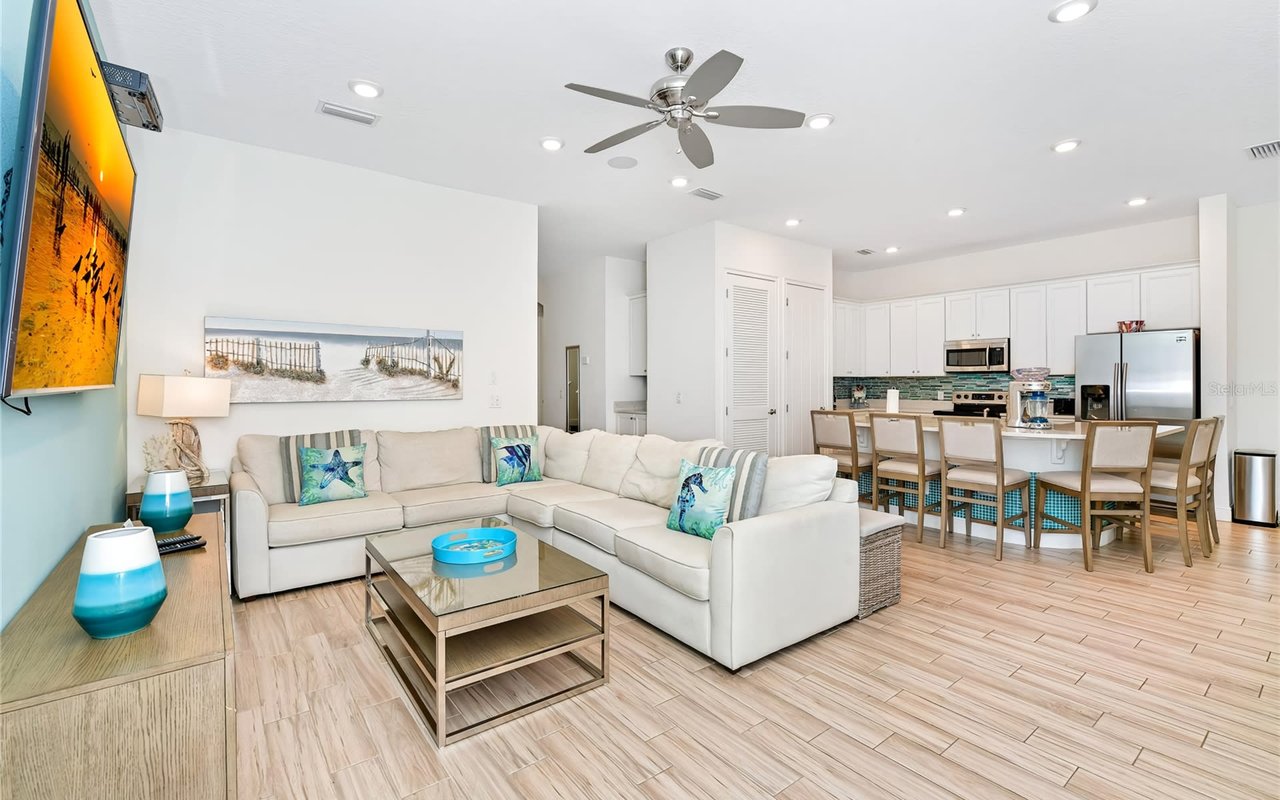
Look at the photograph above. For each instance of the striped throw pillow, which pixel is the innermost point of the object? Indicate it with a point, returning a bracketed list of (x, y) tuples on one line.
[(748, 478), (488, 466), (289, 455)]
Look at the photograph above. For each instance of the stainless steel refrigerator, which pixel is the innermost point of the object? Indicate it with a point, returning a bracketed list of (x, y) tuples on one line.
[(1148, 375)]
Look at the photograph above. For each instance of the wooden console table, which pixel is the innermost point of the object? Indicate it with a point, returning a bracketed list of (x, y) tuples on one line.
[(149, 715)]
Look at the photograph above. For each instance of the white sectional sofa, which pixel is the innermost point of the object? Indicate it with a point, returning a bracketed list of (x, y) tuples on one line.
[(759, 585)]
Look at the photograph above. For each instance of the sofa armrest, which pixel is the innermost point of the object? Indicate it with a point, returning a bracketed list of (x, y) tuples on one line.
[(780, 578), (250, 570)]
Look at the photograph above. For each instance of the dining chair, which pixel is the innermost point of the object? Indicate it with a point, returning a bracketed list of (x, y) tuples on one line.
[(979, 477), (897, 460)]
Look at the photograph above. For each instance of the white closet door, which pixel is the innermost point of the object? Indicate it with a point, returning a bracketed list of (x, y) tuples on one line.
[(752, 330), (806, 382)]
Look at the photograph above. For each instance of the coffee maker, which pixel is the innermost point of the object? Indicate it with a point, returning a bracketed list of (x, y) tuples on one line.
[(1029, 405)]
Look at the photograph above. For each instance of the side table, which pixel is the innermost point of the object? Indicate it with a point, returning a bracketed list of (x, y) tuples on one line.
[(212, 496)]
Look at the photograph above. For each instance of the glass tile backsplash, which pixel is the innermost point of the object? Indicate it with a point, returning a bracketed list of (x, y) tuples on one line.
[(924, 388)]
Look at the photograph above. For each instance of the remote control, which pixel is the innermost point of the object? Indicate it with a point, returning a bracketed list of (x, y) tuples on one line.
[(177, 538), (175, 548)]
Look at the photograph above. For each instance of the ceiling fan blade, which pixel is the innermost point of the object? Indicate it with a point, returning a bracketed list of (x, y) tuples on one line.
[(619, 138), (696, 145), (714, 74), (617, 97), (756, 117)]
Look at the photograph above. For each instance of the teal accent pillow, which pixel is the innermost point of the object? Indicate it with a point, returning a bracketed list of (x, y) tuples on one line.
[(331, 473), (702, 501), (514, 459)]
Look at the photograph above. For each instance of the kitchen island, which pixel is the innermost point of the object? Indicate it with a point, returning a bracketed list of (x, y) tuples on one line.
[(1034, 451)]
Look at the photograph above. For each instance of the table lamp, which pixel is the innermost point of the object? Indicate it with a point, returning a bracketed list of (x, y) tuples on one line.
[(178, 398)]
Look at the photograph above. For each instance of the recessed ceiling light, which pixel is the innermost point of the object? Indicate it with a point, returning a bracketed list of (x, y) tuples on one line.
[(791, 223), (622, 162), (891, 250), (679, 181), (1138, 201), (1066, 145), (820, 121), (552, 143), (956, 212), (1071, 10), (366, 89)]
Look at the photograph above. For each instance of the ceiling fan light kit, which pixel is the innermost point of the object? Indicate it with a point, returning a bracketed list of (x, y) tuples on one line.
[(681, 100)]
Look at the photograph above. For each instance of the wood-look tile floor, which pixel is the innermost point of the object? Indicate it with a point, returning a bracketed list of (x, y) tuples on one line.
[(1024, 678)]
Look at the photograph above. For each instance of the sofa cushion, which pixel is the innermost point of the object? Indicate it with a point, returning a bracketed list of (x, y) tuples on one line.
[(259, 455), (514, 488), (538, 505), (652, 476), (611, 455), (434, 458), (795, 481), (567, 454), (596, 521), (289, 524), (678, 560), (453, 502)]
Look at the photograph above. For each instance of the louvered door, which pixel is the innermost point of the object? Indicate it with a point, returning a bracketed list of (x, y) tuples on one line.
[(751, 406)]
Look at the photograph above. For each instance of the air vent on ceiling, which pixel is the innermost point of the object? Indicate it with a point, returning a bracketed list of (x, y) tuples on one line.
[(1265, 150), (865, 252), (705, 194), (347, 113)]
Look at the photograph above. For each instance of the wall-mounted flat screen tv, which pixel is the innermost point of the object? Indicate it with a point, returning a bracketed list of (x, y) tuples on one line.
[(75, 203)]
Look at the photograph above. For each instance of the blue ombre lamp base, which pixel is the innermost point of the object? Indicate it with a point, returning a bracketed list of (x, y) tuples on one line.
[(166, 501), (121, 586)]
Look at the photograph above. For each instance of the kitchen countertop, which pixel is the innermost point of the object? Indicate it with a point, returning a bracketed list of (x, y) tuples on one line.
[(1074, 430)]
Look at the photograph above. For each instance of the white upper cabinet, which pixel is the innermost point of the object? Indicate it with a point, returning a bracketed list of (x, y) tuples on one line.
[(930, 336), (1064, 320), (902, 338), (875, 339), (847, 332), (1112, 298), (638, 336), (1027, 328), (1171, 298), (978, 315)]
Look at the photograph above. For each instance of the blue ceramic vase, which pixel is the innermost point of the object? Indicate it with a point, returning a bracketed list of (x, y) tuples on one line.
[(166, 501), (121, 583)]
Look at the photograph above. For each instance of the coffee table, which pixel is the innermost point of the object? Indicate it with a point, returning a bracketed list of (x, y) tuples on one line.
[(444, 627)]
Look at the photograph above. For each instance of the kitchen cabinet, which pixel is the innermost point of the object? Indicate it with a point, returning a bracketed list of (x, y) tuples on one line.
[(916, 334), (875, 339), (638, 335), (978, 315), (1065, 318), (1110, 299), (1027, 327), (1170, 298), (635, 424), (847, 335)]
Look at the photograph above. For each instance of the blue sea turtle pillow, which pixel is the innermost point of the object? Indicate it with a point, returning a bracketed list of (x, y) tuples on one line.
[(331, 473), (702, 501), (515, 459)]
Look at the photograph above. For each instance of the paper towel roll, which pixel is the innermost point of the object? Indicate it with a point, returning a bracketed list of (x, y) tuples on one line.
[(891, 401)]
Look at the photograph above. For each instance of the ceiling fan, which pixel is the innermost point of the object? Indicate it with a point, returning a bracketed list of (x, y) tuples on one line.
[(681, 99)]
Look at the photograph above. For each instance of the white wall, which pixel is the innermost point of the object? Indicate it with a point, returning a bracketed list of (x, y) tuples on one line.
[(622, 278), (227, 229), (573, 313), (1257, 328), (1170, 241)]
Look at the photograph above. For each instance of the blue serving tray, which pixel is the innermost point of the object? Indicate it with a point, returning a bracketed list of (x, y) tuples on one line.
[(444, 570), (473, 545)]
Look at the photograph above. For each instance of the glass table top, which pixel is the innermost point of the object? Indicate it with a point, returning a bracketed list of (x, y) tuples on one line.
[(535, 566)]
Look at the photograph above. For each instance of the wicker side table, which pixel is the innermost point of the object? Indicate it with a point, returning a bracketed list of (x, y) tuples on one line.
[(880, 561)]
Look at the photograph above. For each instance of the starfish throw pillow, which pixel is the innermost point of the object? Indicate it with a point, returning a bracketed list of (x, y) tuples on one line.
[(331, 473)]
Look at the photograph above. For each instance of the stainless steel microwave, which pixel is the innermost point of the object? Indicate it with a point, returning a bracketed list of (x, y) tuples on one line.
[(977, 355)]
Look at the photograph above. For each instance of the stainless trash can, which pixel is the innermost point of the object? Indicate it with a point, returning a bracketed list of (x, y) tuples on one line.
[(1253, 487)]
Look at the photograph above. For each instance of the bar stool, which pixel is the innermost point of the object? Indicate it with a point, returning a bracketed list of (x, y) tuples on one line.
[(835, 435), (976, 448), (897, 454), (1211, 484), (1116, 469), (1186, 484)]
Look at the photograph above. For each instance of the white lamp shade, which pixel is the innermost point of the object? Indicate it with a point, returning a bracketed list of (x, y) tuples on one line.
[(178, 396)]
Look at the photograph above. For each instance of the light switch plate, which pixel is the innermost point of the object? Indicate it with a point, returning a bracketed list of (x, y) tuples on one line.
[(495, 401)]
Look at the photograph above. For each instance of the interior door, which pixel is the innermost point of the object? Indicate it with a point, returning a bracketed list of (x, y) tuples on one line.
[(572, 394), (806, 382), (751, 402)]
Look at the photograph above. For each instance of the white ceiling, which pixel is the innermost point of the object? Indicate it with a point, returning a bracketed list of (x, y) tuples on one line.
[(937, 104)]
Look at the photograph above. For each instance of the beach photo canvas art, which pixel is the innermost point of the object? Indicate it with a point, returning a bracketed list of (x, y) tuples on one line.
[(269, 361)]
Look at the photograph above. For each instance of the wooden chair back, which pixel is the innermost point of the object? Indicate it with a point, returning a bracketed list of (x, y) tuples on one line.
[(896, 435), (970, 440)]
